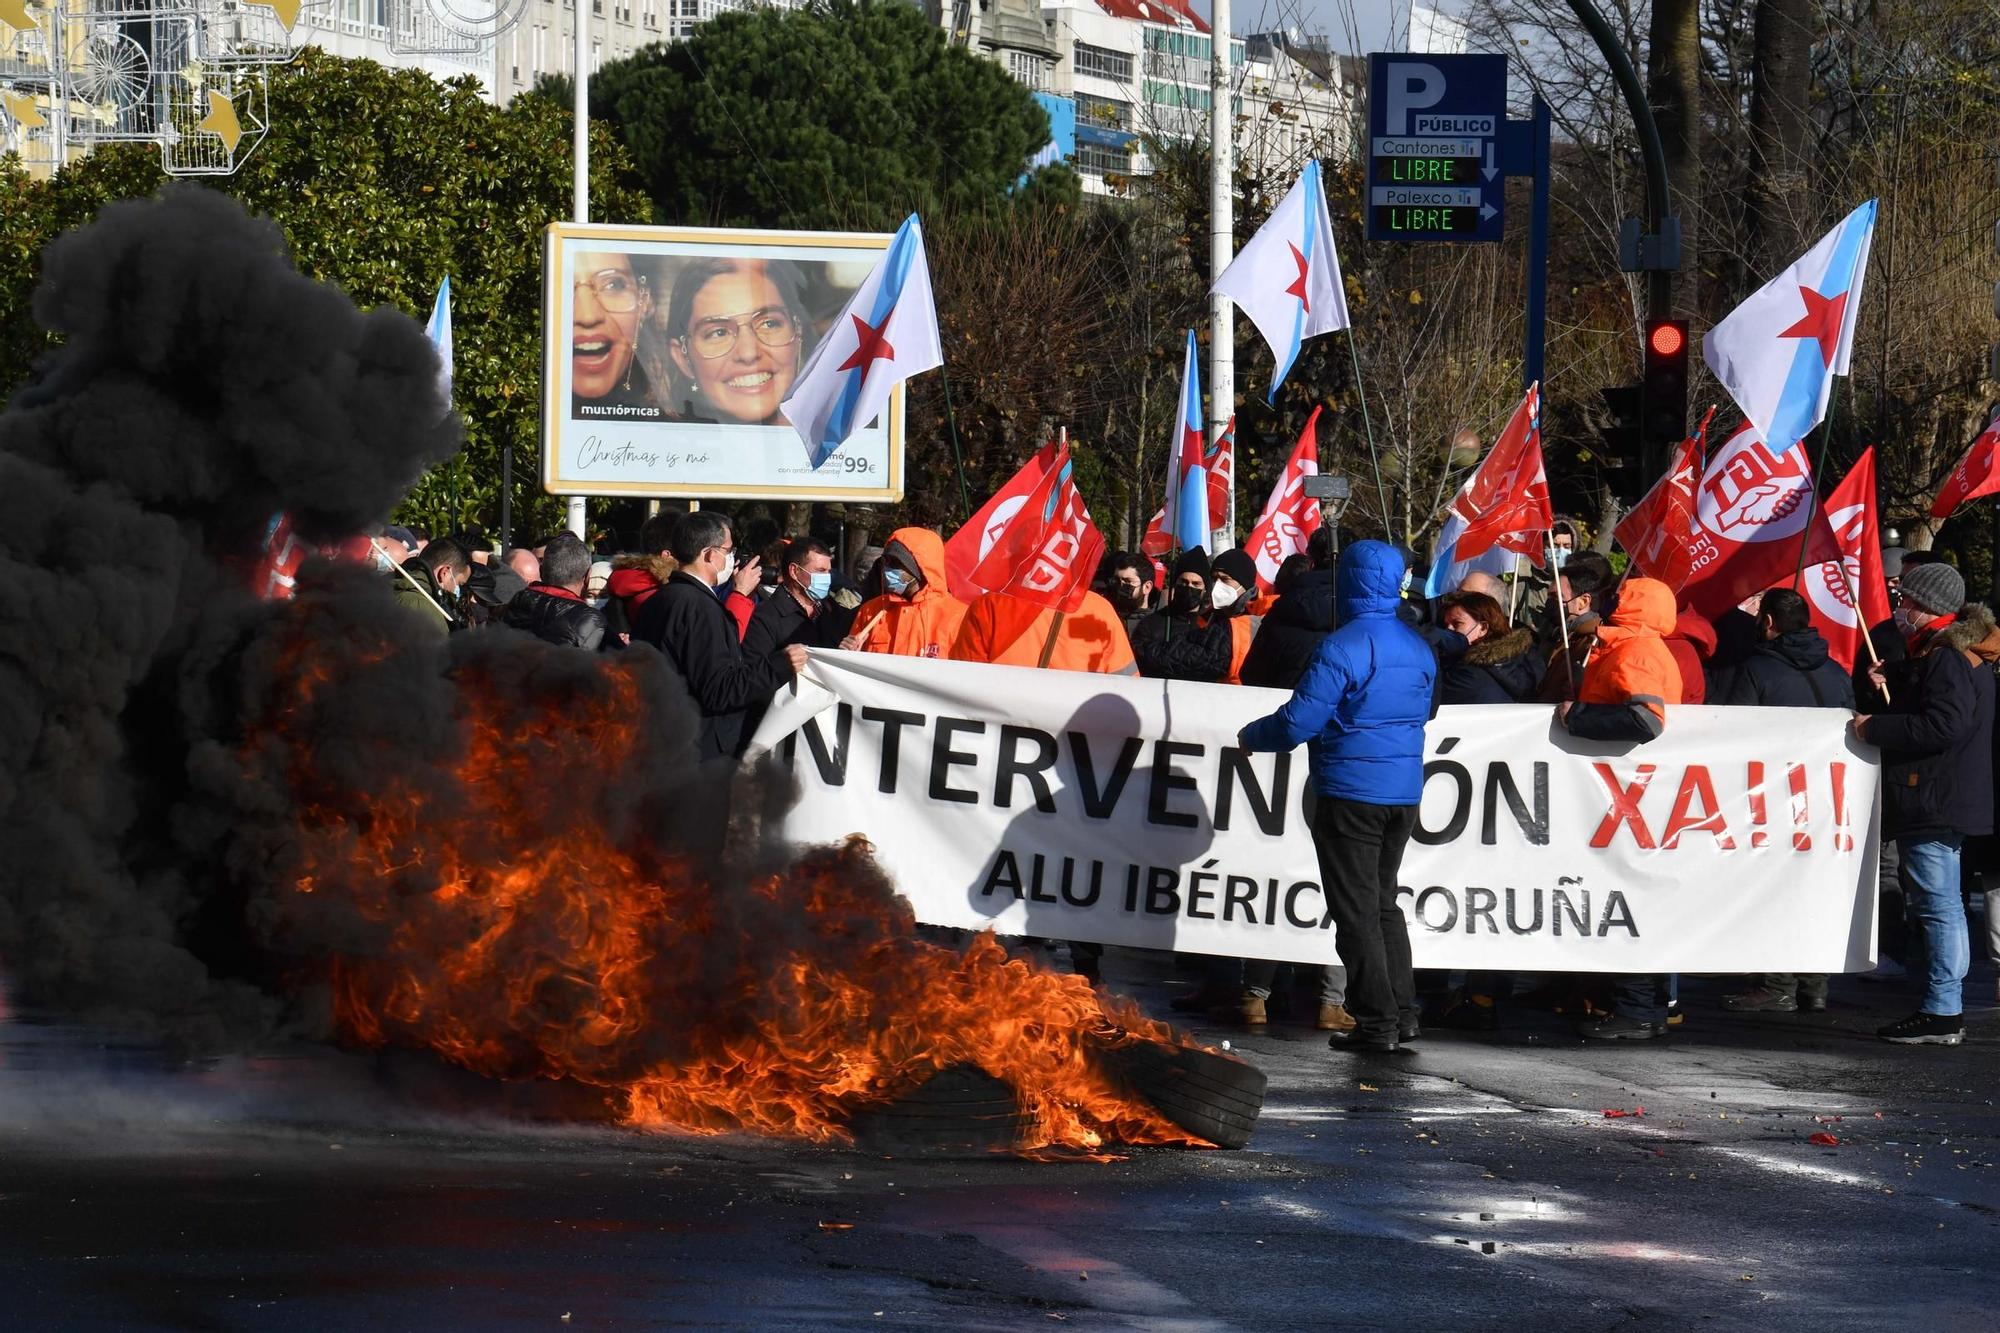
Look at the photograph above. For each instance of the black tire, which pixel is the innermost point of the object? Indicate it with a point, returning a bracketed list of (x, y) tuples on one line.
[(1212, 1097), (962, 1110)]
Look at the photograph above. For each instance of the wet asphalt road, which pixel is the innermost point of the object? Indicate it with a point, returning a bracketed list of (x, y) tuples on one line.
[(1476, 1184)]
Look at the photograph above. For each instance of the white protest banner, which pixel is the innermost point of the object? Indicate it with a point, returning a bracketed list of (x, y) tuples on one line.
[(1121, 810)]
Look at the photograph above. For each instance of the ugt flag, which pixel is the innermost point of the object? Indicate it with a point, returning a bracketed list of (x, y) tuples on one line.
[(1659, 532), (1977, 474), (1849, 596), (1752, 513), (1049, 551), (1290, 516), (969, 545), (1220, 460), (885, 333), (1503, 508), (438, 329), (1778, 352), (1187, 473), (1287, 278)]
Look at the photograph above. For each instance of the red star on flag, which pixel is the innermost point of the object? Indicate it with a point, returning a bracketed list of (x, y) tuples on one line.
[(870, 345), (1821, 322), (1298, 287)]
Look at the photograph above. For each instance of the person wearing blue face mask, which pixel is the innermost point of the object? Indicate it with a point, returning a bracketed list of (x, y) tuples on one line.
[(797, 612)]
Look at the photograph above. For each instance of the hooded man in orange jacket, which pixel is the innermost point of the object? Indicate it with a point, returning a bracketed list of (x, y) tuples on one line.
[(918, 616), (1628, 682)]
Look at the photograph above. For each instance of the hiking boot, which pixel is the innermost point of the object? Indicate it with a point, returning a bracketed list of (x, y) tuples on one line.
[(1335, 1018), (1250, 1011), (1619, 1028), (1811, 1004), (1926, 1030), (1762, 1000)]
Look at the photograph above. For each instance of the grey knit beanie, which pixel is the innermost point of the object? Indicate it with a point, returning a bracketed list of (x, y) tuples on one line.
[(1936, 588)]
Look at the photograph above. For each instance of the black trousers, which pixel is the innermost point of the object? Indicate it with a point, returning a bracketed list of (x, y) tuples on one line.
[(1360, 856)]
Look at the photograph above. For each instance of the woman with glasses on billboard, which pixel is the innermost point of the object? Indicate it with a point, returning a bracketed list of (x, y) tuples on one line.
[(612, 304), (738, 335)]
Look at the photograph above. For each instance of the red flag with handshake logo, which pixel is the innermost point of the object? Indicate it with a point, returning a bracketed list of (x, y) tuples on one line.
[(1049, 550), (1755, 511), (1977, 474), (1849, 596), (1659, 533)]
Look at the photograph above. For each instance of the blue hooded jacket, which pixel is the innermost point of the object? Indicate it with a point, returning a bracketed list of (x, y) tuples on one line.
[(1361, 706)]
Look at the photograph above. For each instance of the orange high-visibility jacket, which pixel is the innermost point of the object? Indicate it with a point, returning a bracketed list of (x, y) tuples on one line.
[(1011, 632), (924, 625), (1632, 664), (1242, 629)]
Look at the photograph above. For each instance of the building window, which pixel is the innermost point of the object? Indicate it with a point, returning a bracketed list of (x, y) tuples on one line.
[(1097, 160), (1106, 113), (1027, 69), (1102, 63)]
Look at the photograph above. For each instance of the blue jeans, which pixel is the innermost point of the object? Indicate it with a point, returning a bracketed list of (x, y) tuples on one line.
[(1930, 871)]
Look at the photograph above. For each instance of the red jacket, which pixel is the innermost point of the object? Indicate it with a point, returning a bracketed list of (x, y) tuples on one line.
[(1692, 643)]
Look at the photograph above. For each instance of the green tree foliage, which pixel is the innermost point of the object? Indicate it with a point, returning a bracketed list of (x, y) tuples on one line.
[(846, 115), (384, 182)]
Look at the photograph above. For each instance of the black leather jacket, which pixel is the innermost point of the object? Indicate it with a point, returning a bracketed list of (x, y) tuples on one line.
[(556, 615)]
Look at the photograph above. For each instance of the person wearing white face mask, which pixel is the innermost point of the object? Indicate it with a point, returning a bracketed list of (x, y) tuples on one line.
[(687, 622), (1235, 586)]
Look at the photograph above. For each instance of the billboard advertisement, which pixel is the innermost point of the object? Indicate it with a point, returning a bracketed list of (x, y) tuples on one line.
[(666, 354)]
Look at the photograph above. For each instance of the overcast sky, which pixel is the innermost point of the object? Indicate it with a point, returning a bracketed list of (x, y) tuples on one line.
[(1379, 23)]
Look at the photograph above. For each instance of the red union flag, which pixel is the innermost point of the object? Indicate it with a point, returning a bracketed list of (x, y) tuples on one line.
[(1506, 503), (1659, 533), (1977, 474), (1753, 509), (1290, 516), (1832, 589), (1048, 551), (969, 545)]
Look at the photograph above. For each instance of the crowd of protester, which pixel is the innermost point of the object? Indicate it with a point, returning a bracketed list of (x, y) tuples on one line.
[(1367, 661)]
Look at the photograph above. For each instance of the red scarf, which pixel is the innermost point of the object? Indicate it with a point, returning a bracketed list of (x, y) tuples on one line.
[(1924, 635)]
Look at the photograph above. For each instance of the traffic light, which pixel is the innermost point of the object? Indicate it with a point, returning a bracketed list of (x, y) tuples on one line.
[(1664, 392), (1621, 440)]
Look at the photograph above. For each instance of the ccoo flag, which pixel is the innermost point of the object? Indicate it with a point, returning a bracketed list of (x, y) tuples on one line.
[(1977, 474), (1187, 475), (1503, 508), (1778, 352), (969, 545), (438, 329), (885, 333), (1287, 278), (1290, 516)]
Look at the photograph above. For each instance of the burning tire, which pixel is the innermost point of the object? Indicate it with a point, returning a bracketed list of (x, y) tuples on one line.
[(1211, 1096), (960, 1110)]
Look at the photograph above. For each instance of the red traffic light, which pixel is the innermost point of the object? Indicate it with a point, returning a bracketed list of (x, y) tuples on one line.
[(1667, 338)]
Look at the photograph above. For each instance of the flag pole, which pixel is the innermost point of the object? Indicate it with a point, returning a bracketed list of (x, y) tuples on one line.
[(1514, 579), (957, 458), (1819, 468), (1854, 600), (1562, 616), (1374, 461)]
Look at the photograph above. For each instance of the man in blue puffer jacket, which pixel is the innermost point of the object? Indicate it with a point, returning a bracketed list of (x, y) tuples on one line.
[(1360, 710)]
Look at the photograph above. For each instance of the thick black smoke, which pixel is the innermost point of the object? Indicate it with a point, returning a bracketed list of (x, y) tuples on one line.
[(202, 387), (173, 748)]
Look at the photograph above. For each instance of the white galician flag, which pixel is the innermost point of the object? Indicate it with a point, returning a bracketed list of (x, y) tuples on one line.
[(1778, 352), (1287, 278), (885, 333), (439, 330)]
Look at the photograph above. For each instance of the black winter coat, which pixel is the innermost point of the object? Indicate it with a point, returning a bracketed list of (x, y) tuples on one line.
[(1937, 739), (1498, 669), (778, 623), (1289, 637), (1790, 671), (1168, 645), (686, 621), (554, 616)]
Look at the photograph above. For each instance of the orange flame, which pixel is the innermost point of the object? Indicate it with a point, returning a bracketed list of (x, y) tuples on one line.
[(782, 1006)]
